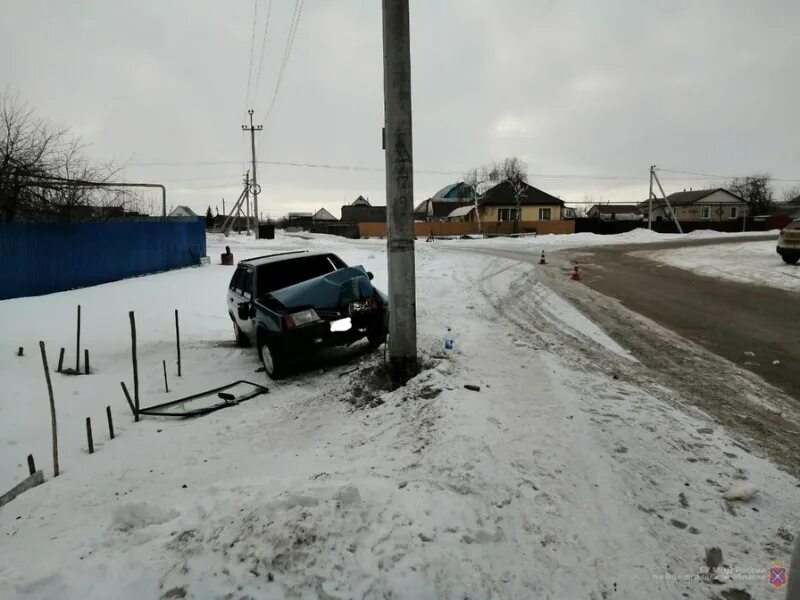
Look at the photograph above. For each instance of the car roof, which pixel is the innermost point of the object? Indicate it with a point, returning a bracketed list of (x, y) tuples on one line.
[(279, 256)]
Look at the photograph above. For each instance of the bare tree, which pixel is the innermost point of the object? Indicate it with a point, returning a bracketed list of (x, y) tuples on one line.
[(41, 168), (480, 179), (755, 190), (515, 172), (792, 193)]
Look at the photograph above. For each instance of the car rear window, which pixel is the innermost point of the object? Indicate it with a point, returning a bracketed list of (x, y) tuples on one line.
[(278, 275)]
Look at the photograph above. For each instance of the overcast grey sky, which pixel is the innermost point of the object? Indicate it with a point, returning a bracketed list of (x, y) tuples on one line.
[(584, 90)]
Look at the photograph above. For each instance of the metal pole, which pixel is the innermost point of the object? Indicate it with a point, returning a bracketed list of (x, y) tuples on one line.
[(650, 201), (399, 191), (247, 200)]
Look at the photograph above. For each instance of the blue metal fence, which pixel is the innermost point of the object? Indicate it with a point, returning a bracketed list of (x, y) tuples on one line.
[(41, 258)]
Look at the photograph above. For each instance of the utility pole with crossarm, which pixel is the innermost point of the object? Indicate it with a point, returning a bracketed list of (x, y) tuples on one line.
[(252, 129)]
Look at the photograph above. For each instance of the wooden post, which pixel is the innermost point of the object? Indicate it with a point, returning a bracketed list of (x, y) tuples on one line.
[(20, 350), (86, 360), (110, 423), (166, 387), (128, 398), (52, 409), (78, 344), (60, 360), (31, 464), (135, 366), (89, 435), (178, 341)]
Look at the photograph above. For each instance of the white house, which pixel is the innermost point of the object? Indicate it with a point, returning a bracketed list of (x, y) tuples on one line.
[(698, 205)]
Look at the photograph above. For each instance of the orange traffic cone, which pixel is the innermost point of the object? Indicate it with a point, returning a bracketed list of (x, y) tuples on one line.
[(542, 261), (576, 276)]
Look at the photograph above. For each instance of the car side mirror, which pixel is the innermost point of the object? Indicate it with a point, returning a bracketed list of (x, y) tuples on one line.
[(370, 275), (244, 310)]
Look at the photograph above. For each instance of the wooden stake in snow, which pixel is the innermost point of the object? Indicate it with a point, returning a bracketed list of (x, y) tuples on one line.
[(86, 360), (166, 387), (78, 345), (52, 409), (89, 435), (128, 398), (110, 423), (135, 366), (60, 361), (31, 464), (178, 341)]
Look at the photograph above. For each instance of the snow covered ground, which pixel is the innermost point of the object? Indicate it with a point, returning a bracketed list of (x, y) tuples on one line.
[(558, 479), (748, 262)]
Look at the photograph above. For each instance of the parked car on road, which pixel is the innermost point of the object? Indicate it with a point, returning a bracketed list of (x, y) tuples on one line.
[(789, 242), (293, 303)]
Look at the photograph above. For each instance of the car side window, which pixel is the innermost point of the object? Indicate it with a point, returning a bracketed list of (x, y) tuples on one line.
[(246, 283), (236, 280)]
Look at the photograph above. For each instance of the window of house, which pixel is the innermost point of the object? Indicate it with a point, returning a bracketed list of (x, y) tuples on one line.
[(506, 214), (544, 214), (734, 212), (705, 212)]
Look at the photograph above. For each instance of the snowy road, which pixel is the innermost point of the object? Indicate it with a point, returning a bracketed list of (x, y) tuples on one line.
[(573, 473)]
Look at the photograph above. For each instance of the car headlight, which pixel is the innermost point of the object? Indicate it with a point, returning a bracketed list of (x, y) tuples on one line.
[(303, 317)]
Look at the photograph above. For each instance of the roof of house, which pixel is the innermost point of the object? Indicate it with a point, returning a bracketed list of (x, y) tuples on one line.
[(360, 201), (323, 215), (461, 211), (503, 195), (691, 197), (182, 211), (299, 215), (454, 191), (609, 209)]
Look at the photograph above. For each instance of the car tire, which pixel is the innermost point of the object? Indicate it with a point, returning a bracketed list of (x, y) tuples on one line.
[(376, 337), (790, 259), (273, 363), (238, 335)]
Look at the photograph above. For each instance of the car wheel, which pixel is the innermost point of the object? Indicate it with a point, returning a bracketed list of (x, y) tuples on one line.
[(241, 339), (790, 259), (376, 337), (273, 364)]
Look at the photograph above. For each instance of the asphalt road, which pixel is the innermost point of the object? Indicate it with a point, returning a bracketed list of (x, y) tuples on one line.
[(752, 326)]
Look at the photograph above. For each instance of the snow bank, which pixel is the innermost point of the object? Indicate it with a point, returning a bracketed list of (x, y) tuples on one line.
[(748, 262)]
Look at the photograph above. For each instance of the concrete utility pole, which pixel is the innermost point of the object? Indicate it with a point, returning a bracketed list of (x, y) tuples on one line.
[(399, 191), (256, 189), (666, 200)]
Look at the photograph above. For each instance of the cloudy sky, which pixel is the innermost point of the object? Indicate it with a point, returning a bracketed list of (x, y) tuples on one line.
[(588, 94)]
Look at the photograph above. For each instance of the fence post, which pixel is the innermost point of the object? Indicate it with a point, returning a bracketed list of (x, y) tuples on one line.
[(52, 409), (110, 423), (89, 434), (132, 318)]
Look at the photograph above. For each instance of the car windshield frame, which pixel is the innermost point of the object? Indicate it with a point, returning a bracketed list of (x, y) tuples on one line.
[(281, 274)]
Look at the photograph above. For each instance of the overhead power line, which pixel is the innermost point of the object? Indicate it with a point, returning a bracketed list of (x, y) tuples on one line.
[(287, 51), (252, 45), (712, 176), (261, 58)]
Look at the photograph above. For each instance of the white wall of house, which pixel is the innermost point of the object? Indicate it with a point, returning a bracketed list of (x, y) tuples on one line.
[(719, 206)]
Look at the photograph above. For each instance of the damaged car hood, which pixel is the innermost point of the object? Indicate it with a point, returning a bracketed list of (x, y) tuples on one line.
[(334, 289)]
